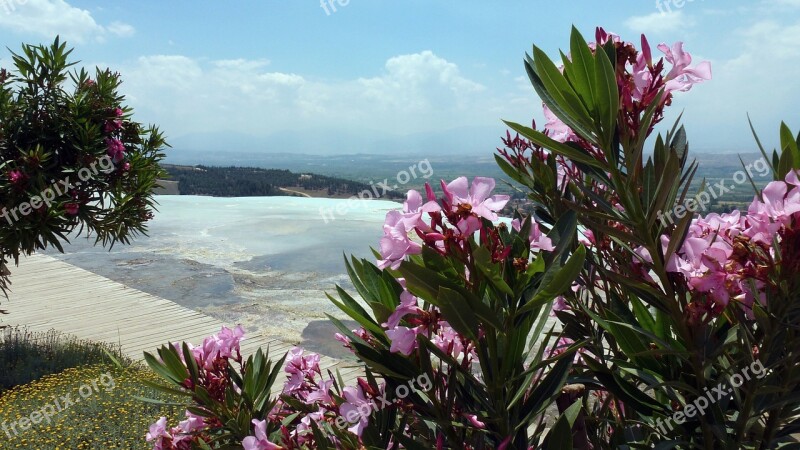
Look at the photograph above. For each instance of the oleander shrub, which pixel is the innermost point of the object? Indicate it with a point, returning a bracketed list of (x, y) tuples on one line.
[(72, 158), (615, 315)]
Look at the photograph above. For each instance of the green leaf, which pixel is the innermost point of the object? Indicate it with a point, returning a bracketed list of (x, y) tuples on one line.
[(557, 280), (558, 95), (491, 270), (607, 98), (565, 150), (628, 393), (560, 436), (458, 313), (425, 284), (548, 388), (581, 72), (788, 141), (761, 147)]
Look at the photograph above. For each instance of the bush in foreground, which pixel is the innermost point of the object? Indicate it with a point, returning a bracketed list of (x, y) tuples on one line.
[(676, 333), (26, 356), (71, 156)]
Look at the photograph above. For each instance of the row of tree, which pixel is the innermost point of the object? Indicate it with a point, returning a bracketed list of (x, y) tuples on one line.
[(256, 182)]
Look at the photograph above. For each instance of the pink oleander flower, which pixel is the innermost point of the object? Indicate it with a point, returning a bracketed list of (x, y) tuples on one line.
[(112, 126), (158, 433), (321, 392), (343, 339), (560, 304), (448, 340), (586, 237), (711, 263), (356, 410), (414, 208), (15, 176), (304, 432), (116, 149), (192, 424), (229, 340), (408, 305), (395, 244), (71, 209), (602, 37), (302, 370), (473, 420), (779, 203), (474, 199), (539, 241), (184, 433), (555, 128), (259, 441), (302, 364), (223, 344), (682, 77), (404, 339), (640, 80)]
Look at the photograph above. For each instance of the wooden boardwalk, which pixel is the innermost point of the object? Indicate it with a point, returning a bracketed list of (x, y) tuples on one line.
[(48, 294)]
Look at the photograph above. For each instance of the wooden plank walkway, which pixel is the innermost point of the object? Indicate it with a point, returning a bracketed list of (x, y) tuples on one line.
[(48, 294)]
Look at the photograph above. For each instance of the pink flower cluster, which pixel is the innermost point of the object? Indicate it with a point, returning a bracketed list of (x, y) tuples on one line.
[(217, 348), (441, 224), (539, 241), (212, 360), (114, 124), (306, 384), (446, 226), (16, 177), (723, 253), (115, 149), (178, 438), (260, 441), (640, 79)]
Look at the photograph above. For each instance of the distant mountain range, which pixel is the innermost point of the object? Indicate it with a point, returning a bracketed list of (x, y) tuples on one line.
[(367, 167), (465, 140)]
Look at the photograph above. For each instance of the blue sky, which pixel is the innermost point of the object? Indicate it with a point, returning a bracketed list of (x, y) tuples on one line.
[(266, 72)]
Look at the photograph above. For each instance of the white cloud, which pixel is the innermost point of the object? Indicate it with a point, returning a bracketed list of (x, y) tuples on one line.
[(49, 18), (418, 82), (415, 92), (791, 3), (121, 29), (660, 22)]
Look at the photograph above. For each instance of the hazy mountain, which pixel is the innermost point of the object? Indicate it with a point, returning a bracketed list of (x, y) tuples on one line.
[(465, 140)]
